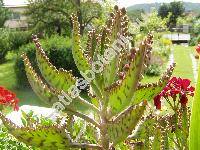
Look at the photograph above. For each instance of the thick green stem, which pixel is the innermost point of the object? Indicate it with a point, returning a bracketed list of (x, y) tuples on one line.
[(104, 136)]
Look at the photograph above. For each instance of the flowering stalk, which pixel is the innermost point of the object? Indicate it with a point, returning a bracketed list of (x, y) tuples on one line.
[(178, 90)]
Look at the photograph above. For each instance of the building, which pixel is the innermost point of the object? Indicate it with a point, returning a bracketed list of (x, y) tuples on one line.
[(17, 19)]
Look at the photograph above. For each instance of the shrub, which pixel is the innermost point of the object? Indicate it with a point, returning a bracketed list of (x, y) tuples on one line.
[(162, 47), (58, 50), (166, 42), (194, 41), (153, 70), (160, 55), (19, 38), (4, 44)]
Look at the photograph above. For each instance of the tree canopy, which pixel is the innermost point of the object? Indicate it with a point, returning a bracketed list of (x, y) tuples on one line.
[(53, 16), (163, 10), (175, 9)]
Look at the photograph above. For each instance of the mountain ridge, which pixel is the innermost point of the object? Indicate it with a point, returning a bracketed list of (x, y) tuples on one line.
[(147, 7)]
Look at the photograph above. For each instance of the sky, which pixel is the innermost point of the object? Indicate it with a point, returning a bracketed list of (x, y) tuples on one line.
[(122, 3)]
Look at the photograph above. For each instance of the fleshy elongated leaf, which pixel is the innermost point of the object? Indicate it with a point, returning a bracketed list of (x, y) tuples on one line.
[(48, 95), (149, 91), (44, 137), (122, 126), (157, 139), (194, 136), (117, 25), (91, 43), (78, 55), (59, 79), (165, 141), (121, 95), (145, 129)]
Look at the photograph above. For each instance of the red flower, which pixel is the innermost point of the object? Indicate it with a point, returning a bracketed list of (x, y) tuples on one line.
[(8, 98), (157, 101), (198, 49), (175, 87)]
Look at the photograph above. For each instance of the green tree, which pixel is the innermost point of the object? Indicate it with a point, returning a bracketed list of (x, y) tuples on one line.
[(152, 22), (163, 10), (4, 14), (175, 9), (53, 16)]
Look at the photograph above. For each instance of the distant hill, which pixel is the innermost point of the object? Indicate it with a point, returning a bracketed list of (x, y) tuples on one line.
[(195, 7)]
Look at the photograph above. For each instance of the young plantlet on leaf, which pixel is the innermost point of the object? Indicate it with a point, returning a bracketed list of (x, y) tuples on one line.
[(118, 99)]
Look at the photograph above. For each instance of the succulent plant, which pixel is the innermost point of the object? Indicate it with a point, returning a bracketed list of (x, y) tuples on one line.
[(117, 100)]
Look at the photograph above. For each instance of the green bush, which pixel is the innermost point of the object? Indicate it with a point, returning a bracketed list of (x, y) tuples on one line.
[(57, 48), (19, 38), (12, 40), (153, 70), (4, 44), (194, 41)]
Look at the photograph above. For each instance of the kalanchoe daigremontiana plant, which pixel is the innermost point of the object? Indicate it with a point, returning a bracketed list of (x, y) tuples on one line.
[(117, 98)]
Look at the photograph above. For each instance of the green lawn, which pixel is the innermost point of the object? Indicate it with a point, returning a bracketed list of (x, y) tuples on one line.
[(8, 80), (183, 62)]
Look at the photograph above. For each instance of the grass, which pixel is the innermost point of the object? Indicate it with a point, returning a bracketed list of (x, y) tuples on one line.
[(183, 62), (8, 80)]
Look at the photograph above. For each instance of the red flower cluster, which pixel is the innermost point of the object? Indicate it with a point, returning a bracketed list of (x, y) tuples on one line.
[(198, 48), (176, 86), (8, 98)]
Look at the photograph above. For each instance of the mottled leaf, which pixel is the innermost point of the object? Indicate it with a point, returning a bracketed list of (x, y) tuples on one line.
[(122, 126), (59, 79)]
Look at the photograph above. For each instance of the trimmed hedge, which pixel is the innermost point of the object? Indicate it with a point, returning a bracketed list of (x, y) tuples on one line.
[(57, 48)]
